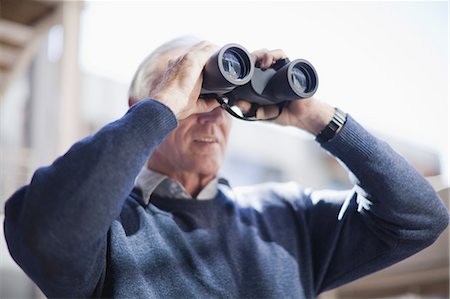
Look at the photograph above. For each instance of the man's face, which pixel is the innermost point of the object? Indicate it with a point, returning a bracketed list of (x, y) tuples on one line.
[(198, 144)]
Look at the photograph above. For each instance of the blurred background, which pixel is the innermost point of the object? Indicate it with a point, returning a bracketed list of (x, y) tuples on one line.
[(65, 68)]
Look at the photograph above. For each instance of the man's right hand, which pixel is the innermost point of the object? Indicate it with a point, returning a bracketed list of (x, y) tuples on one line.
[(180, 86)]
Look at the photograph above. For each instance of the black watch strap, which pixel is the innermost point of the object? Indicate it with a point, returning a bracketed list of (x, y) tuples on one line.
[(333, 126)]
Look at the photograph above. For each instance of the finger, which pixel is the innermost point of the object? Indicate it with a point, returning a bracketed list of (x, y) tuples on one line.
[(172, 62), (265, 58), (193, 61), (278, 54), (187, 68), (257, 55), (266, 112), (201, 52), (244, 106)]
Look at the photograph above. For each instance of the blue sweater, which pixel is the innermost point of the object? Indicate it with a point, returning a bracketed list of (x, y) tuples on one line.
[(78, 229)]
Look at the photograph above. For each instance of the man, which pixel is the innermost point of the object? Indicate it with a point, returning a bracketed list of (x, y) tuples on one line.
[(83, 227)]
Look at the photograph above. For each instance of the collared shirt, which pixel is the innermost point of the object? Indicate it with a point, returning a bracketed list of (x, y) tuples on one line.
[(150, 181)]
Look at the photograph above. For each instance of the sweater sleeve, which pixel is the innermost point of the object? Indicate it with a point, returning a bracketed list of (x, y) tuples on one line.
[(56, 227), (405, 215)]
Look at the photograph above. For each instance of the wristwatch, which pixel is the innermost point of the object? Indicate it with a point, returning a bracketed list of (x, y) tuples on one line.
[(333, 126)]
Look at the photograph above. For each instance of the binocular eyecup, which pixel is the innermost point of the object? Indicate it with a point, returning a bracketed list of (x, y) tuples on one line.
[(231, 73)]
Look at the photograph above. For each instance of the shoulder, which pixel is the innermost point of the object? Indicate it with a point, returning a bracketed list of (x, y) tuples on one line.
[(270, 194)]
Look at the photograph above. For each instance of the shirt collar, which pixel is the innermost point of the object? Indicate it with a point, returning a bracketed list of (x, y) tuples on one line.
[(150, 181)]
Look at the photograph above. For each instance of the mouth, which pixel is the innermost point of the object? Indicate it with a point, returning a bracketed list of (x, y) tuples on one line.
[(206, 140)]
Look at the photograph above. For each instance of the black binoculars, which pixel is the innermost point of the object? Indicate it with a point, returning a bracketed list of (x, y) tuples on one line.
[(231, 74)]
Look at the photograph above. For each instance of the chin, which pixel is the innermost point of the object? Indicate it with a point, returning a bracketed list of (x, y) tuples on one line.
[(209, 171), (208, 167)]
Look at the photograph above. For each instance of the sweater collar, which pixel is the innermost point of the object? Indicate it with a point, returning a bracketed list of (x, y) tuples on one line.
[(152, 182)]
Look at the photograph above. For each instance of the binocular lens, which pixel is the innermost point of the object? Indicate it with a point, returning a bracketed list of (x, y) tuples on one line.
[(233, 64), (300, 80), (228, 68)]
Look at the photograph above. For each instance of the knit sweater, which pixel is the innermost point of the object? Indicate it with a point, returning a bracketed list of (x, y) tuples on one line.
[(78, 229)]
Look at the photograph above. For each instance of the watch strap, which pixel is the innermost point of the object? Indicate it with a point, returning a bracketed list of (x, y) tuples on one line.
[(333, 126)]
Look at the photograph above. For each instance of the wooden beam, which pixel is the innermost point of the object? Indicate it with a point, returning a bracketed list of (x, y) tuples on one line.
[(27, 12), (69, 106), (14, 33)]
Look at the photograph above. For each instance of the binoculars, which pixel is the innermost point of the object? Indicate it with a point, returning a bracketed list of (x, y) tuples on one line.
[(230, 73)]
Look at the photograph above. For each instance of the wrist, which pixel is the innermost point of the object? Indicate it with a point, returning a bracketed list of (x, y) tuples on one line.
[(315, 116), (333, 127), (169, 101)]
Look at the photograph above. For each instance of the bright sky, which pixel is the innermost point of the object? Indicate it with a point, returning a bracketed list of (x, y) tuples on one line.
[(386, 63)]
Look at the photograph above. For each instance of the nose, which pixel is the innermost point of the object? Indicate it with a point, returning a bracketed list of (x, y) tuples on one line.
[(215, 116)]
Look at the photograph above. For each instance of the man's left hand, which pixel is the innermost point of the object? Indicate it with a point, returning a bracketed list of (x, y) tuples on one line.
[(310, 114)]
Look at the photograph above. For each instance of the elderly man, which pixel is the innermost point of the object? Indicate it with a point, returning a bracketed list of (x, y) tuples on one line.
[(96, 223)]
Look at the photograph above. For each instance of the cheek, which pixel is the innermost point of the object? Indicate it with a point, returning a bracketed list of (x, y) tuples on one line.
[(181, 143), (225, 129), (166, 149), (170, 146)]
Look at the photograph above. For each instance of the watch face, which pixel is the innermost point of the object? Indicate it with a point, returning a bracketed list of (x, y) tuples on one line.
[(340, 116)]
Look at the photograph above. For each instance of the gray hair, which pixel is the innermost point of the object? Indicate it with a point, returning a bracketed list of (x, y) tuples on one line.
[(146, 73)]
